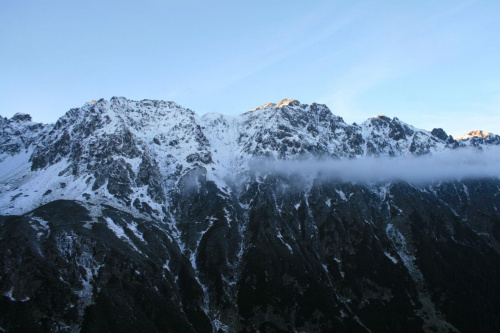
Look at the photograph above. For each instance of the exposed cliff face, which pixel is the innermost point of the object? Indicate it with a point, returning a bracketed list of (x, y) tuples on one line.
[(165, 225)]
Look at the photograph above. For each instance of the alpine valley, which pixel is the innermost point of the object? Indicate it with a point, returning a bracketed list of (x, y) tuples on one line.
[(141, 216)]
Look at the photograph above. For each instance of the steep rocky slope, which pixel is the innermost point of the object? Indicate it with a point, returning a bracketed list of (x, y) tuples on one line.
[(143, 216)]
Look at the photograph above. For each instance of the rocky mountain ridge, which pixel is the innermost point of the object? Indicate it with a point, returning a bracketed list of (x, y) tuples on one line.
[(131, 143), (142, 214)]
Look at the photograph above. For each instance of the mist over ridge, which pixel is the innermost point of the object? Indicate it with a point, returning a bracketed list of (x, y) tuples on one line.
[(459, 164)]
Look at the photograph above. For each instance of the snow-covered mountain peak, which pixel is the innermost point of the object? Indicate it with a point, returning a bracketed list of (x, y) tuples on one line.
[(384, 120), (267, 105), (479, 138), (382, 117), (383, 125), (475, 134), (18, 133), (288, 102), (393, 137), (285, 102), (114, 150)]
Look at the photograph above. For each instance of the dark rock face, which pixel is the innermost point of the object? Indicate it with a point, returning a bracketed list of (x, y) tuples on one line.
[(64, 270), (306, 262), (21, 117), (349, 256), (165, 228), (204, 158), (439, 133)]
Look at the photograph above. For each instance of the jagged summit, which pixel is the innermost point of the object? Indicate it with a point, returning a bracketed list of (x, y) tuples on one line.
[(284, 102), (288, 101), (475, 134), (120, 100), (479, 138), (21, 117), (264, 106), (439, 133)]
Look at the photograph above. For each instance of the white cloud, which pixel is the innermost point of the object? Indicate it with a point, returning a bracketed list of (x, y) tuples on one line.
[(456, 164)]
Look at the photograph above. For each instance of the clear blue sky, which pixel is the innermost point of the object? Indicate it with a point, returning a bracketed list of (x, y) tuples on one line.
[(430, 63)]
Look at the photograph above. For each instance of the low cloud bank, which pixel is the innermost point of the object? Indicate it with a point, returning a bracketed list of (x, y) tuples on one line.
[(459, 164)]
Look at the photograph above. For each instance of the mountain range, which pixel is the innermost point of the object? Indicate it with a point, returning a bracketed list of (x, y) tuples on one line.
[(143, 216)]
